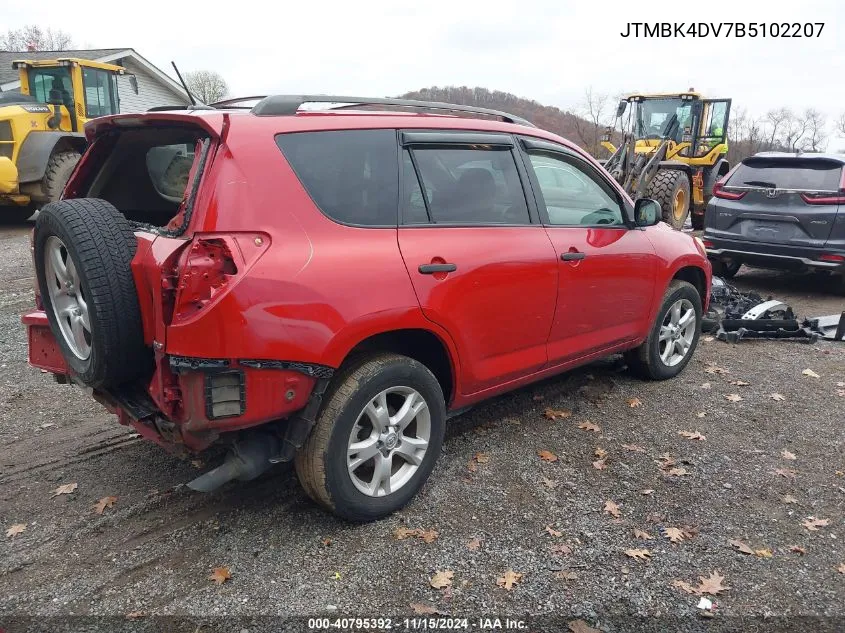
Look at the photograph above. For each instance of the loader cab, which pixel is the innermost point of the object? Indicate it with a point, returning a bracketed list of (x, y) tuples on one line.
[(82, 89)]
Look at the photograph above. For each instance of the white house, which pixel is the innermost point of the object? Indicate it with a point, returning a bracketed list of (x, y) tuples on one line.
[(155, 87)]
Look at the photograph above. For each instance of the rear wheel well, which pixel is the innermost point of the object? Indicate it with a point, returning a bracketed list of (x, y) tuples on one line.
[(421, 345), (695, 276)]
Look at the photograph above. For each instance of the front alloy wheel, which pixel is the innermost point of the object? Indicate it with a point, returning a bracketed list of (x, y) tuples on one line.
[(677, 332), (67, 297)]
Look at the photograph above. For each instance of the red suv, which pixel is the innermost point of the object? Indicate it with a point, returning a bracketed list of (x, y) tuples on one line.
[(325, 286)]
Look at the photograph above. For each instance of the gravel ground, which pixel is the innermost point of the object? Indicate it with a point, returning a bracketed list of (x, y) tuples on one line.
[(152, 552)]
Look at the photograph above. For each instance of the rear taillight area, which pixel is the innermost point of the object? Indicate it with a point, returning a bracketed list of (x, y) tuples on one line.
[(719, 191), (824, 198), (210, 266)]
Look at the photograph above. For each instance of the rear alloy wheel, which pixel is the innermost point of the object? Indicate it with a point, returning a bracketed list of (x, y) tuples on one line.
[(674, 336), (67, 296), (376, 439)]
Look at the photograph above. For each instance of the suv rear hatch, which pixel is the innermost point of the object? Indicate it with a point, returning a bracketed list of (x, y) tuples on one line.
[(790, 200)]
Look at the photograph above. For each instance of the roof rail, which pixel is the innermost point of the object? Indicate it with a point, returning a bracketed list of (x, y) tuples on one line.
[(286, 105), (232, 103)]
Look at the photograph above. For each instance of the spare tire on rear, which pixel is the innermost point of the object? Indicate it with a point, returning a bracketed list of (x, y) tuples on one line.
[(82, 251)]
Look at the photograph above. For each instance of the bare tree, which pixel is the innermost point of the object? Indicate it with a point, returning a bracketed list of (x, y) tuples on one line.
[(840, 124), (595, 113), (207, 85), (816, 124), (34, 38), (777, 120)]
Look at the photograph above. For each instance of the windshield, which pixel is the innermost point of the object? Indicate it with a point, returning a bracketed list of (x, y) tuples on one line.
[(51, 85), (654, 116)]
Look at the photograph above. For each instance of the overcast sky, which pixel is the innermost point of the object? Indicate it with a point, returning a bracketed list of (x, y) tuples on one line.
[(549, 51)]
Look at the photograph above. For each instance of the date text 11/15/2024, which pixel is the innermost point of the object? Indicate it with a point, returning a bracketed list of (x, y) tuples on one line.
[(417, 624), (722, 29)]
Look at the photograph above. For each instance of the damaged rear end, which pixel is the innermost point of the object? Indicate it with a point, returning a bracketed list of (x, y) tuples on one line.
[(126, 276)]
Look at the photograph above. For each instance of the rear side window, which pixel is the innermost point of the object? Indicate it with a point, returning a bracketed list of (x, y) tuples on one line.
[(463, 186), (352, 175), (791, 173)]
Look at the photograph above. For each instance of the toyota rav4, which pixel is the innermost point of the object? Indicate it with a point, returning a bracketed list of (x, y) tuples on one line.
[(328, 286)]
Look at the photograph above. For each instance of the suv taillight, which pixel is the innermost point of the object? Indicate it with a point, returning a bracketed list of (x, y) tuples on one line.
[(210, 266), (719, 191)]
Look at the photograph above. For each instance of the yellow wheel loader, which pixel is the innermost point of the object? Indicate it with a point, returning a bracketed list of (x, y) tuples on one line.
[(673, 150), (41, 135)]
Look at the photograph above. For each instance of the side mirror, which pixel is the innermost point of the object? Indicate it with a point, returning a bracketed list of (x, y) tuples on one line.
[(646, 212), (620, 109), (133, 82)]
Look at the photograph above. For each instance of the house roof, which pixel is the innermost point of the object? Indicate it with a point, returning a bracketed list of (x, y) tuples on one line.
[(9, 76)]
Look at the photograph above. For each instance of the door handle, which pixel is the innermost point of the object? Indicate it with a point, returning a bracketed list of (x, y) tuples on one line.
[(430, 269), (572, 256)]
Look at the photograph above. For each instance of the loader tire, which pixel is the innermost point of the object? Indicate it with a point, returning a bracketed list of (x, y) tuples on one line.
[(82, 250), (671, 188), (58, 171)]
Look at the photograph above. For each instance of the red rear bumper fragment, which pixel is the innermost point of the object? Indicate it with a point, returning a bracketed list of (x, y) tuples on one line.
[(44, 352)]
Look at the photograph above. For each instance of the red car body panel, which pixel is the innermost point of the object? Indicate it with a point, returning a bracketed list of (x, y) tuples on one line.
[(300, 287)]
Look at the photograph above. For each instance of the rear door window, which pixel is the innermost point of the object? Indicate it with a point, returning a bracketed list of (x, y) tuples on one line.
[(351, 175), (455, 185), (789, 173)]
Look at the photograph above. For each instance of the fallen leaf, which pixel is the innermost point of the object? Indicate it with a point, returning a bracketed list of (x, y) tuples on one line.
[(712, 584), (763, 553), (429, 536), (510, 578), (713, 369), (788, 473), (220, 575), (740, 383), (777, 397), (135, 615), (810, 373), (589, 426), (676, 535), (401, 533), (733, 397), (442, 579), (327, 541), (690, 435), (102, 504), (740, 546), (14, 530), (813, 524), (420, 608), (700, 414), (840, 393), (548, 483), (634, 402), (482, 458), (633, 447), (647, 491), (197, 463), (474, 544), (789, 499), (554, 414), (705, 385), (65, 490), (561, 549), (600, 452), (336, 575), (611, 508), (566, 575), (797, 549), (472, 466), (579, 626), (553, 532), (666, 462), (638, 554), (643, 535), (841, 568), (677, 472), (787, 455), (684, 586), (709, 339), (547, 456), (600, 464)]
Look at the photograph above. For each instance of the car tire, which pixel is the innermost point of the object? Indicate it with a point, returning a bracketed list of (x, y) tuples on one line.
[(650, 360), (58, 171), (668, 187), (726, 270), (352, 410), (82, 251)]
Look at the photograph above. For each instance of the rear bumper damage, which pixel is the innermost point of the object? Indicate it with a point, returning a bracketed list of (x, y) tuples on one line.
[(189, 403), (778, 256)]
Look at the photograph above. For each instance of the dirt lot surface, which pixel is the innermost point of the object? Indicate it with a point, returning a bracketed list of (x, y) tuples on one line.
[(765, 466)]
